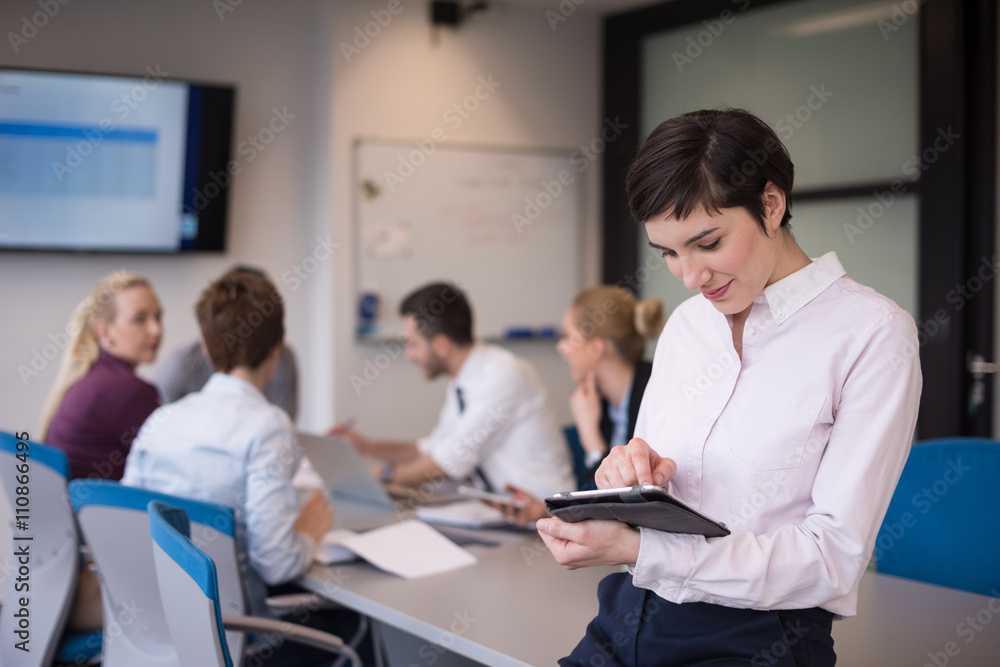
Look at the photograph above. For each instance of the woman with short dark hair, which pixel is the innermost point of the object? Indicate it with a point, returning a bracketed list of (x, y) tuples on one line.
[(782, 402)]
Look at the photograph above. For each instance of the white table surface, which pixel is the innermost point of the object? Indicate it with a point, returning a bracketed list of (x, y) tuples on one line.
[(517, 607)]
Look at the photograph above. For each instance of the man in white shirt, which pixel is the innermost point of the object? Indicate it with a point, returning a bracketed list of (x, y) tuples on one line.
[(497, 426)]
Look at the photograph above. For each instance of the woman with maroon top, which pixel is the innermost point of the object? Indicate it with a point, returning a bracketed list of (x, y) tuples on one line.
[(98, 402)]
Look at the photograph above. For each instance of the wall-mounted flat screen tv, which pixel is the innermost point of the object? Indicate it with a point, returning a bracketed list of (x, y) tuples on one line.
[(105, 163)]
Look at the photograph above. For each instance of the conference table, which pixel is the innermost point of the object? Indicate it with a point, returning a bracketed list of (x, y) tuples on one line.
[(516, 606)]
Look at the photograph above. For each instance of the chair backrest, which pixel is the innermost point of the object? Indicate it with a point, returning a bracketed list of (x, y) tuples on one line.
[(115, 524), (583, 480), (42, 513), (189, 589), (942, 526)]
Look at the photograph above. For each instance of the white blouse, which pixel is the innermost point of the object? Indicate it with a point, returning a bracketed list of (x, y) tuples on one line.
[(797, 446)]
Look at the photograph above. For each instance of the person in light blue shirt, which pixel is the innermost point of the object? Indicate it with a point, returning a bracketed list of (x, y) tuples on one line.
[(228, 445)]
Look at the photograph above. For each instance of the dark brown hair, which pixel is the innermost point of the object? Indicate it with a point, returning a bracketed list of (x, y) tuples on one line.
[(440, 308), (714, 159), (241, 316)]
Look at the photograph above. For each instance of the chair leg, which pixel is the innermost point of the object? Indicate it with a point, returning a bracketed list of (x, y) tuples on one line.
[(359, 634)]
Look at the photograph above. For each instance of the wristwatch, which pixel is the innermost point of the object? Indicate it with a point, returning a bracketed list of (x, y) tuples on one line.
[(593, 458), (387, 471)]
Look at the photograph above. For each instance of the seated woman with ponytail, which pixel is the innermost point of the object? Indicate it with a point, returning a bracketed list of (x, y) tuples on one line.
[(604, 336), (98, 402)]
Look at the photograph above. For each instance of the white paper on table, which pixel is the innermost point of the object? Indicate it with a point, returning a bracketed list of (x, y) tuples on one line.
[(331, 550), (409, 549)]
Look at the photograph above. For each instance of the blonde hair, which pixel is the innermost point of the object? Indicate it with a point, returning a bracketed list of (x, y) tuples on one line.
[(84, 349), (614, 314)]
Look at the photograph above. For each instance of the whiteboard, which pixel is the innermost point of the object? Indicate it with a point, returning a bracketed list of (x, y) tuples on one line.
[(502, 224)]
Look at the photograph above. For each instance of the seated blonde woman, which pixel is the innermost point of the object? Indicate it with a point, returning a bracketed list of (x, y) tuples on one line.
[(98, 402)]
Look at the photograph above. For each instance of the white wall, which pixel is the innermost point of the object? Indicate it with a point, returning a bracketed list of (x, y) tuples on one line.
[(299, 189), (273, 53), (400, 86)]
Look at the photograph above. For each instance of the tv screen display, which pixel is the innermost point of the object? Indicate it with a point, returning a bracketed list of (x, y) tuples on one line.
[(112, 163)]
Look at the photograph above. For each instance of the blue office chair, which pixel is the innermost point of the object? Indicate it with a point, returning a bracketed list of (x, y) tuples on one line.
[(54, 553), (116, 522), (942, 526), (583, 481), (188, 588)]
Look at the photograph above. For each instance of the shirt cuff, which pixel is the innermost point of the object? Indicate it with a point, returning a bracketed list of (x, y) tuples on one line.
[(665, 563), (309, 546)]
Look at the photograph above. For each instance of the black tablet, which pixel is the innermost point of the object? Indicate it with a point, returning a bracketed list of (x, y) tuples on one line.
[(648, 506)]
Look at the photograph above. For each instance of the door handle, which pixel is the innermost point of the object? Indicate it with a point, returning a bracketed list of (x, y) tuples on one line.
[(979, 368)]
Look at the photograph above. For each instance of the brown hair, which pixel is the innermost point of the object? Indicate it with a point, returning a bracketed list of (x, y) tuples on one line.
[(614, 314), (714, 159), (84, 348), (241, 316)]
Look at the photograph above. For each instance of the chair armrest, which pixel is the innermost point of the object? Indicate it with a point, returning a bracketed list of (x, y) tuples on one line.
[(293, 633), (280, 605)]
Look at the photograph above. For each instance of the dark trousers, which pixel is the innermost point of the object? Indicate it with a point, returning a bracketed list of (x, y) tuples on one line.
[(637, 628)]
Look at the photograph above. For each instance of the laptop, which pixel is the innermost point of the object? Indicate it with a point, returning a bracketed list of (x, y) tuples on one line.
[(358, 498)]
